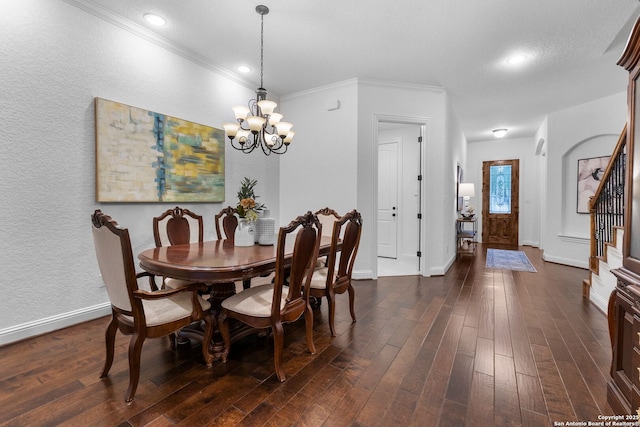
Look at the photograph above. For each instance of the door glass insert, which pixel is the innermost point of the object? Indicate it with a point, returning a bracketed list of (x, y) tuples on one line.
[(500, 189)]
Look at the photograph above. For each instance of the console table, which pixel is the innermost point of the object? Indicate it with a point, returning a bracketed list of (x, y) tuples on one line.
[(466, 236)]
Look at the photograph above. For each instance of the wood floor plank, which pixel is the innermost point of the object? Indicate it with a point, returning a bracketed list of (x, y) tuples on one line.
[(477, 346), (507, 408), (482, 400)]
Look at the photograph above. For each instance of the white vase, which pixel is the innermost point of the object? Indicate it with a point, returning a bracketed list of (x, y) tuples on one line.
[(245, 233), (266, 229)]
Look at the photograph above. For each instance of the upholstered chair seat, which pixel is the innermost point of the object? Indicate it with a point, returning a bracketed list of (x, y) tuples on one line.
[(254, 302), (171, 309)]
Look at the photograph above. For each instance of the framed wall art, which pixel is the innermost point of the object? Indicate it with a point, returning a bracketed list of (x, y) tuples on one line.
[(590, 173), (144, 156), (460, 200)]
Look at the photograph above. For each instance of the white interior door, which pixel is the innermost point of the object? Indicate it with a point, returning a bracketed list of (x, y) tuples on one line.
[(388, 199)]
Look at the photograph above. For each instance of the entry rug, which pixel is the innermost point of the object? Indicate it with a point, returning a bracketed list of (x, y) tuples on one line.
[(509, 260)]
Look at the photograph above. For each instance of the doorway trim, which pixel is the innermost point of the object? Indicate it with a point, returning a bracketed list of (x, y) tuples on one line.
[(423, 228)]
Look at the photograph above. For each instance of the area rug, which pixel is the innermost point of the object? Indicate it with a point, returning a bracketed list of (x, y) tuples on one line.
[(509, 260)]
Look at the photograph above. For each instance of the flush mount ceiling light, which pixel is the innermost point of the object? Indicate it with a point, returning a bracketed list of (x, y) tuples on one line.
[(516, 59), (258, 125), (244, 69), (154, 19), (499, 133)]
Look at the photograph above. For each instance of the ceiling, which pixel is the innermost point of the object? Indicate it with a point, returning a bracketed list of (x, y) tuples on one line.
[(572, 48)]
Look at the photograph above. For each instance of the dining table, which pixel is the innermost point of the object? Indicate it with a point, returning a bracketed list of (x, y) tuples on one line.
[(218, 264)]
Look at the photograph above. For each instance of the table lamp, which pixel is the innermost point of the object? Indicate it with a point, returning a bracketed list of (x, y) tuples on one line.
[(466, 190)]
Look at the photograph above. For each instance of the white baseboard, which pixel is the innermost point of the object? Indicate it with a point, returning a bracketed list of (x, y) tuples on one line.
[(599, 302), (565, 261), (362, 274), (442, 270), (53, 323)]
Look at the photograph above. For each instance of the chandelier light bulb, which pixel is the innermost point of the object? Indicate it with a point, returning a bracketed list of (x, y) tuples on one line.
[(267, 107), (255, 123), (283, 129), (231, 129), (275, 118), (241, 112)]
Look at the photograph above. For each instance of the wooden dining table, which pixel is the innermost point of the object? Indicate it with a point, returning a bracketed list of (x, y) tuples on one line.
[(217, 263)]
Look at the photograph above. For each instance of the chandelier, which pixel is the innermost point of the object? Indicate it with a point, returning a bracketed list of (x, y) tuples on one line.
[(258, 125)]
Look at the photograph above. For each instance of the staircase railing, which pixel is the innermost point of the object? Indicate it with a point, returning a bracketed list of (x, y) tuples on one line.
[(607, 204)]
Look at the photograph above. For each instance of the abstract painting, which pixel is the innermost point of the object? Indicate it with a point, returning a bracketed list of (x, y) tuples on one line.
[(143, 156), (590, 173)]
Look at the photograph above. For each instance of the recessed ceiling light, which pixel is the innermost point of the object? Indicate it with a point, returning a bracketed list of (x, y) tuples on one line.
[(516, 59), (499, 133), (244, 69), (155, 19)]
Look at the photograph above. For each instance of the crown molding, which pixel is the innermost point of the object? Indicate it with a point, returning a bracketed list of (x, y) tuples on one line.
[(175, 48), (400, 85), (320, 89)]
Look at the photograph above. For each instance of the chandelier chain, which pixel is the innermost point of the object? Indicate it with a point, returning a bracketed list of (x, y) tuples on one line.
[(261, 48)]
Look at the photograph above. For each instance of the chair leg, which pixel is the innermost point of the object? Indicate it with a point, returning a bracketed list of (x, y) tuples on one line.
[(110, 339), (209, 322), (331, 303), (135, 350), (278, 344), (352, 297), (308, 323)]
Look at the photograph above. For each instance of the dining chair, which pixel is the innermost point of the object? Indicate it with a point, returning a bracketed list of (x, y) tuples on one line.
[(138, 312), (327, 217), (272, 305), (226, 223), (177, 226), (335, 278)]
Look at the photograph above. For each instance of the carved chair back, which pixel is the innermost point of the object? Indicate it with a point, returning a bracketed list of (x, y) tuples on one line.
[(226, 223), (177, 226)]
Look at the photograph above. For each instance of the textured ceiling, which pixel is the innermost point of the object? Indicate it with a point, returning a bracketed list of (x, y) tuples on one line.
[(573, 46)]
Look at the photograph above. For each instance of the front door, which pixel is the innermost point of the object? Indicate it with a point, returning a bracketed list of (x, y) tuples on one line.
[(500, 195), (388, 199)]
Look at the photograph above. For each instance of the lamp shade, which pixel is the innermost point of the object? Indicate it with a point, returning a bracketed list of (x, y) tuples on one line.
[(466, 189)]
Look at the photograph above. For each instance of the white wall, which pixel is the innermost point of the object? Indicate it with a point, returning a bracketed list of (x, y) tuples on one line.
[(55, 59), (569, 132), (457, 149), (522, 149), (319, 169)]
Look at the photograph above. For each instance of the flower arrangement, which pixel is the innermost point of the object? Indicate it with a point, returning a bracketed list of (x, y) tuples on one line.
[(247, 207)]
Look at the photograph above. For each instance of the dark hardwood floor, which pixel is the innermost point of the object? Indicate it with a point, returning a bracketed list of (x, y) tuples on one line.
[(476, 347)]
